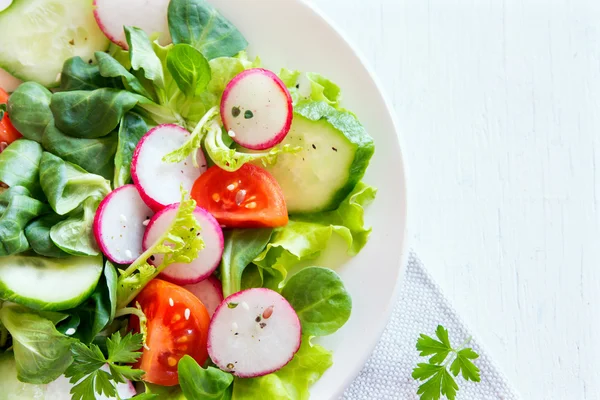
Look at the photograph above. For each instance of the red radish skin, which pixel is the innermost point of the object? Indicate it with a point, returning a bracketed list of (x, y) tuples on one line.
[(119, 224), (253, 333), (269, 102), (150, 16), (208, 258), (159, 182), (209, 291)]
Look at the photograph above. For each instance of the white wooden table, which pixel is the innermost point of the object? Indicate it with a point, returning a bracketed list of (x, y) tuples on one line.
[(499, 108)]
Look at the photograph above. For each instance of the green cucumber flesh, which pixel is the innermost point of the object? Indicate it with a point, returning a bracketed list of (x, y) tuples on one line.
[(320, 176), (48, 283), (37, 36)]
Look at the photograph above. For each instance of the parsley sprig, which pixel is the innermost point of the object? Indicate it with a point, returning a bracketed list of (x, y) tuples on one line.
[(438, 380), (86, 371)]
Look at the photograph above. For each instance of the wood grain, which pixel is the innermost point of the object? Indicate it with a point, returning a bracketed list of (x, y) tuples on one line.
[(499, 107)]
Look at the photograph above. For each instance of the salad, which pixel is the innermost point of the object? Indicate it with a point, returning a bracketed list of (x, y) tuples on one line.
[(164, 202)]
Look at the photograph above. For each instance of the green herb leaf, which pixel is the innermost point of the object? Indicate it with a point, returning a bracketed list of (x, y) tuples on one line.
[(320, 299), (463, 364), (189, 68), (437, 379), (88, 372)]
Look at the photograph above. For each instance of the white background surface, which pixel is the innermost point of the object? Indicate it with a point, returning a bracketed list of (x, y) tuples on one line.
[(499, 108)]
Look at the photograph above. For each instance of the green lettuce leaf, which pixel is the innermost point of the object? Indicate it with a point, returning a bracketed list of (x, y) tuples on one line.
[(306, 236), (203, 383), (42, 353), (310, 86), (291, 382), (189, 68), (78, 74), (143, 58), (20, 165), (109, 67), (180, 243), (67, 185), (17, 209)]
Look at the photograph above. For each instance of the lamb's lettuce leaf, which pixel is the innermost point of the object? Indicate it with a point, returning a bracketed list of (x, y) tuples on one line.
[(320, 299), (109, 67), (197, 23), (291, 382), (38, 235), (17, 209), (29, 110), (242, 246), (42, 353), (131, 130), (143, 58), (180, 243), (66, 185), (189, 68), (78, 74), (75, 235), (20, 165)]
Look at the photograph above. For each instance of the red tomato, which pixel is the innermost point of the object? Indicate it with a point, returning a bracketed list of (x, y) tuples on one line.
[(177, 325), (8, 133), (247, 198)]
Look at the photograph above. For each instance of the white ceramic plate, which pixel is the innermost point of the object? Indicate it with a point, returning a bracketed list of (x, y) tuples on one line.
[(289, 33)]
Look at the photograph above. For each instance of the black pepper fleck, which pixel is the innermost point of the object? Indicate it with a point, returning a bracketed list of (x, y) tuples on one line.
[(334, 149), (297, 86), (235, 111), (314, 147), (152, 258), (90, 61), (262, 325), (258, 319)]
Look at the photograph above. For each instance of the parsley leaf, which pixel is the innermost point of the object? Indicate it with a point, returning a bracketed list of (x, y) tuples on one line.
[(438, 381), (90, 377)]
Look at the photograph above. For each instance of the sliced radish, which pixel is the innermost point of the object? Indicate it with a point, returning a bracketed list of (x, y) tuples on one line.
[(150, 16), (157, 181), (253, 333), (256, 109), (8, 82), (208, 258), (209, 291), (120, 223)]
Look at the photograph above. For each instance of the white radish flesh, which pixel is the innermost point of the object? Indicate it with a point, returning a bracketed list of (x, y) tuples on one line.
[(208, 258), (253, 333), (256, 109), (158, 181), (119, 224), (150, 16), (209, 291)]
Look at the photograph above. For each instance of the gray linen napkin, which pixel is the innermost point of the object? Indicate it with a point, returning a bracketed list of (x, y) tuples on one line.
[(420, 308)]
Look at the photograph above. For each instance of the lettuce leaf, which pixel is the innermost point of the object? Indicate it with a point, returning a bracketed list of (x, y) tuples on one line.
[(180, 243), (310, 86), (306, 236), (290, 382), (20, 165)]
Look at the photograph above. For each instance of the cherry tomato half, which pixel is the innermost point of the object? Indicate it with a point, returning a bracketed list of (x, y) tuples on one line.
[(247, 198), (8, 133), (177, 325)]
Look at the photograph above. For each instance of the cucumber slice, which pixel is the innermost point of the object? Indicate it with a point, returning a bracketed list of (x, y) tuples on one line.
[(335, 154), (48, 283), (37, 36)]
